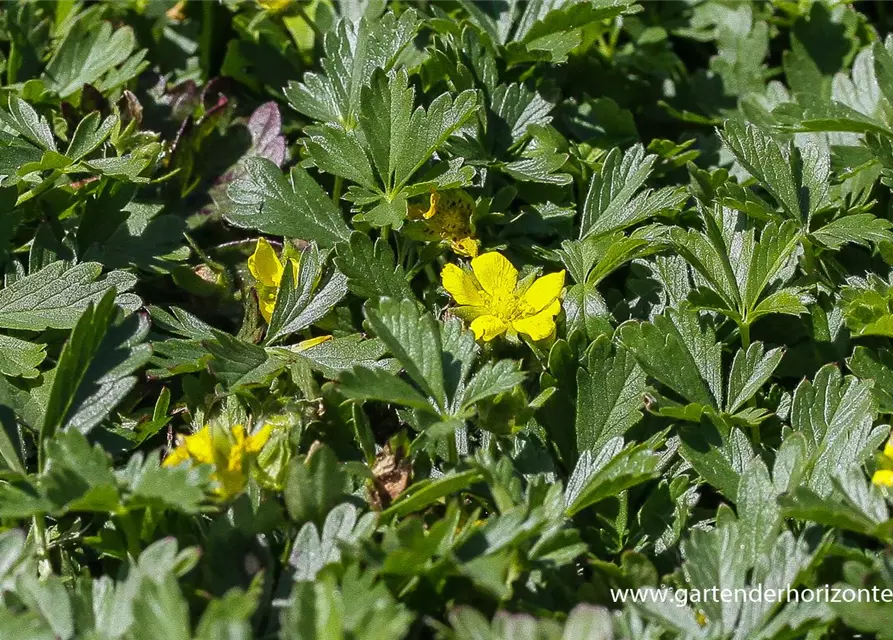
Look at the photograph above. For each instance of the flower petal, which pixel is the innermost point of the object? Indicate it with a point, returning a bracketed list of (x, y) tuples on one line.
[(883, 478), (495, 274), (264, 264), (177, 456), (257, 441), (309, 344), (465, 247), (544, 291), (199, 446), (540, 325), (266, 300), (488, 327), (461, 286)]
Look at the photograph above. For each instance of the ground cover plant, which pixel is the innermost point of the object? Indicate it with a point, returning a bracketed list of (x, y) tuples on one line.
[(445, 319)]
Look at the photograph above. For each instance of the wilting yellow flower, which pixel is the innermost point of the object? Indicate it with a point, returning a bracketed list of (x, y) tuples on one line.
[(491, 299), (449, 216), (267, 269), (231, 452), (884, 477)]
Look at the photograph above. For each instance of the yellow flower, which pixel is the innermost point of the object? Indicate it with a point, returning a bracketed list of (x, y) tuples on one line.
[(275, 6), (494, 303), (884, 477), (449, 216), (267, 269), (231, 452)]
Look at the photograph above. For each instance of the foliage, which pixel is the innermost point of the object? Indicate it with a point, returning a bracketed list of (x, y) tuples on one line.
[(446, 320)]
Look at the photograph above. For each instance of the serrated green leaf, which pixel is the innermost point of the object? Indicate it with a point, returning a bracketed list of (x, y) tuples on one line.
[(751, 369), (95, 370), (297, 207), (414, 339), (614, 200), (370, 270), (610, 394), (55, 296), (20, 358), (679, 350)]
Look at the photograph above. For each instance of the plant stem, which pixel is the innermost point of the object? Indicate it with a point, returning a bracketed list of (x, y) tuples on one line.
[(336, 190), (744, 331), (44, 568)]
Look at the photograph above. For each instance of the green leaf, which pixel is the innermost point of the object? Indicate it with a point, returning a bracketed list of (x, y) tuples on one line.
[(78, 477), (878, 367), (490, 380), (549, 31), (314, 486), (428, 491), (302, 303), (861, 228), (353, 52), (751, 369), (151, 485), (312, 552), (613, 469), (338, 151), (263, 199), (23, 119), (614, 200), (370, 270), (339, 354), (866, 306), (610, 394), (20, 358), (679, 350), (362, 383), (797, 179), (718, 453), (160, 611), (414, 339), (89, 54), (56, 296), (237, 363), (836, 415), (89, 134), (95, 369)]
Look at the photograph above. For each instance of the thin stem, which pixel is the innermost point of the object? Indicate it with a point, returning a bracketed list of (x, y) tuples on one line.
[(44, 568), (744, 331), (336, 191)]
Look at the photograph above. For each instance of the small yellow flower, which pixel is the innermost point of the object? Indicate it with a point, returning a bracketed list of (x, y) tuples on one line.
[(494, 303), (449, 216), (884, 477), (231, 452), (267, 269), (275, 6)]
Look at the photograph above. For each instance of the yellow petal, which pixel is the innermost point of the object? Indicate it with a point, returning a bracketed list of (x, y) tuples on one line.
[(466, 247), (257, 441), (540, 325), (544, 291), (266, 300), (470, 313), (265, 265), (461, 286), (177, 456), (488, 327), (309, 344), (435, 198), (883, 478), (200, 446), (495, 273)]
